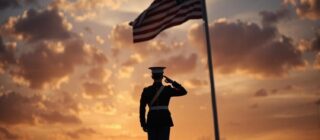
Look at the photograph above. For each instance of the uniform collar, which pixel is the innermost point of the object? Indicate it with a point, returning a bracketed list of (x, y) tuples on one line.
[(157, 84)]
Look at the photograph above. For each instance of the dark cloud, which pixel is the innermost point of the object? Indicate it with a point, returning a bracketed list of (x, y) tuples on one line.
[(76, 134), (63, 101), (248, 48), (270, 18), (280, 90), (47, 24), (4, 4), (98, 73), (95, 89), (317, 61), (289, 87), (309, 9), (18, 109), (49, 63), (317, 102), (315, 43), (179, 64), (274, 91), (315, 47), (261, 93), (5, 134), (254, 106), (6, 55), (88, 29), (58, 117)]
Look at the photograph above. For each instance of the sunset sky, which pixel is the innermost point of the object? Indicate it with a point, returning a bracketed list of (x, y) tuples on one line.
[(69, 70)]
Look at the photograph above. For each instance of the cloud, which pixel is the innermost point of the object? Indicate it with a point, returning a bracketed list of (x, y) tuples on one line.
[(312, 46), (7, 135), (98, 73), (76, 134), (18, 109), (240, 47), (89, 9), (285, 89), (195, 83), (62, 101), (261, 93), (121, 38), (51, 63), (254, 106), (317, 102), (270, 18), (125, 72), (317, 61), (39, 25), (133, 60), (315, 43), (4, 4), (99, 40), (87, 29), (85, 5), (309, 9), (95, 89), (58, 117), (179, 64), (198, 82), (136, 92), (6, 55)]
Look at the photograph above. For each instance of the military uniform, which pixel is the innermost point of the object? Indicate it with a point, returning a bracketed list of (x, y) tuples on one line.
[(159, 118)]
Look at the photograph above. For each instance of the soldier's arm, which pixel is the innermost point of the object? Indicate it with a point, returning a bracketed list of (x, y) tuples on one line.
[(142, 111), (178, 90)]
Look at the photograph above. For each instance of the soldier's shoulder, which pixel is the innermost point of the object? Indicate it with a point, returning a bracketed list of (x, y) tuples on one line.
[(148, 87)]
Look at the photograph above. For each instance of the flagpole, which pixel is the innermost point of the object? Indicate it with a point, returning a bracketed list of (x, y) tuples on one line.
[(211, 74)]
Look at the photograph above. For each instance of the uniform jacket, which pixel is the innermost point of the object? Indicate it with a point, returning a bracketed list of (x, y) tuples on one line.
[(156, 118)]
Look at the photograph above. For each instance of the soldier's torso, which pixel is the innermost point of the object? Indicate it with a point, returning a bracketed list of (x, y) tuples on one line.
[(162, 117)]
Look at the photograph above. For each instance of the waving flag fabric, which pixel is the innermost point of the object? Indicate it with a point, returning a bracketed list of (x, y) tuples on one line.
[(163, 14)]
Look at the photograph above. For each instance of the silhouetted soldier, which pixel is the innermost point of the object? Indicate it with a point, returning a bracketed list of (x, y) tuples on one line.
[(157, 96)]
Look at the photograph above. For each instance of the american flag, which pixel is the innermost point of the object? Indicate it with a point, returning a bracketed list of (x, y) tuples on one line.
[(163, 14)]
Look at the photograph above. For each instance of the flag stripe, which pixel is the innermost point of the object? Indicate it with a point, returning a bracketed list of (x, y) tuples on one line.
[(154, 5), (170, 12), (158, 3), (156, 24), (153, 36), (171, 5), (163, 14), (163, 8), (150, 35), (145, 33)]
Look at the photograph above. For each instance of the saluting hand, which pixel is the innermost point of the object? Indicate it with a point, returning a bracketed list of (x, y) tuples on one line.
[(168, 80)]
